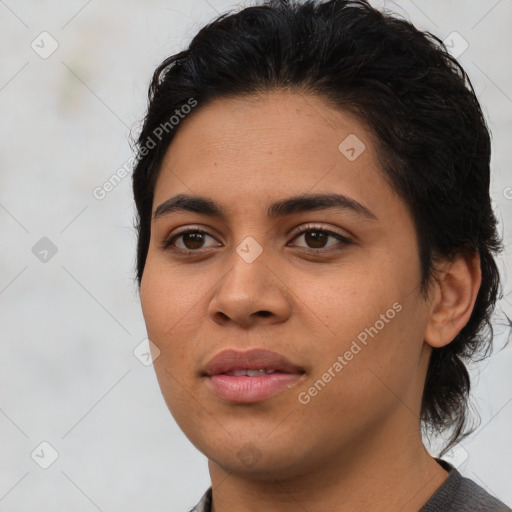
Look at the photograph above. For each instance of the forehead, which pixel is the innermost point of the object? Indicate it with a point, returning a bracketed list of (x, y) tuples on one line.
[(278, 123), (261, 148)]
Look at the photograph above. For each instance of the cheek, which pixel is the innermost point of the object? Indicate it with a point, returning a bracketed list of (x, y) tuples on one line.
[(154, 301), (350, 299), (374, 319), (169, 301), (165, 311), (173, 306)]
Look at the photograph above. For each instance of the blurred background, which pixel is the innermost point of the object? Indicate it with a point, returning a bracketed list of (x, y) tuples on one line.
[(83, 426)]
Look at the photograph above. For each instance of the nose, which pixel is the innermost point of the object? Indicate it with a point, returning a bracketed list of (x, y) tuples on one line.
[(249, 293)]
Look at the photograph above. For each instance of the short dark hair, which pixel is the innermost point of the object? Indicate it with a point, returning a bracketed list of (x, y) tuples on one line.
[(416, 100)]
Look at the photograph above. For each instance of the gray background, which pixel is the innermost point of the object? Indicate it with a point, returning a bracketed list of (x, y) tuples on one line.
[(71, 320)]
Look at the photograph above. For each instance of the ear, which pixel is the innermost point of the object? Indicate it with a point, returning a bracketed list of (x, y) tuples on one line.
[(453, 297)]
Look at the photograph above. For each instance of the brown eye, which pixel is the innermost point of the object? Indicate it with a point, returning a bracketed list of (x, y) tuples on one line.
[(191, 240), (317, 239)]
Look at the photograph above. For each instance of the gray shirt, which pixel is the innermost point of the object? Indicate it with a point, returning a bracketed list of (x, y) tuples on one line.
[(456, 494)]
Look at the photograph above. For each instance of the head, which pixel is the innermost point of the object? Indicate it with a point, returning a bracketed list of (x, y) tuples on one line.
[(285, 100)]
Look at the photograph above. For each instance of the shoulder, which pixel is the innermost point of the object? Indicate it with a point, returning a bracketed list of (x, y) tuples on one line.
[(461, 494), (476, 498)]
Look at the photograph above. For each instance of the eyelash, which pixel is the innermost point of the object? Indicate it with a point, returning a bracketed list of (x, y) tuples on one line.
[(167, 244)]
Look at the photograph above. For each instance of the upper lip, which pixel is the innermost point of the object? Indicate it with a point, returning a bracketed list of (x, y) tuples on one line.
[(254, 359)]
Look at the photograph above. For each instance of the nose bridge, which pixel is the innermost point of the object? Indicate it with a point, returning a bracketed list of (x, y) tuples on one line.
[(249, 286), (249, 249), (249, 273)]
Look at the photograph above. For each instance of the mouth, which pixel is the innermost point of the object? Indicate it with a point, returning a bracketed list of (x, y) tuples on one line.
[(251, 373), (250, 376)]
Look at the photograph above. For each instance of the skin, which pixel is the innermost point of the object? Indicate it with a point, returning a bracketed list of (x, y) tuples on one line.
[(356, 445)]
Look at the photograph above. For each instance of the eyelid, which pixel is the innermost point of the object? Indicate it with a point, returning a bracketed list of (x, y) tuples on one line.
[(168, 240), (311, 227), (342, 238)]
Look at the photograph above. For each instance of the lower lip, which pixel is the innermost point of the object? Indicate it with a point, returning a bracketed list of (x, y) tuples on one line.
[(251, 389)]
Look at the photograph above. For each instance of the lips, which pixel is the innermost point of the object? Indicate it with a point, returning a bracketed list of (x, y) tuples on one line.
[(250, 376), (255, 359)]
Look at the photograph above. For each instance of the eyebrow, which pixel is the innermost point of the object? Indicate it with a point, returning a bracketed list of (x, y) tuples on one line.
[(281, 208)]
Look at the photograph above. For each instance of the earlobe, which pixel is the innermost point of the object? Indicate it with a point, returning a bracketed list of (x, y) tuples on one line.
[(453, 298)]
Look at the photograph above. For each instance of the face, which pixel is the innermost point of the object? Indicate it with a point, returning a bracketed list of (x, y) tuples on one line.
[(323, 291)]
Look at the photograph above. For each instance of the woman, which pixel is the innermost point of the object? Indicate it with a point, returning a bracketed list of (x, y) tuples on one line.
[(316, 256)]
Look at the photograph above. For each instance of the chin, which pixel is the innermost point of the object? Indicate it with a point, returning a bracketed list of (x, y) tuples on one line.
[(247, 460)]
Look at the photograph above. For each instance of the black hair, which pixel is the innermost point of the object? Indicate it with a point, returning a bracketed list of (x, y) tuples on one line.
[(420, 106)]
